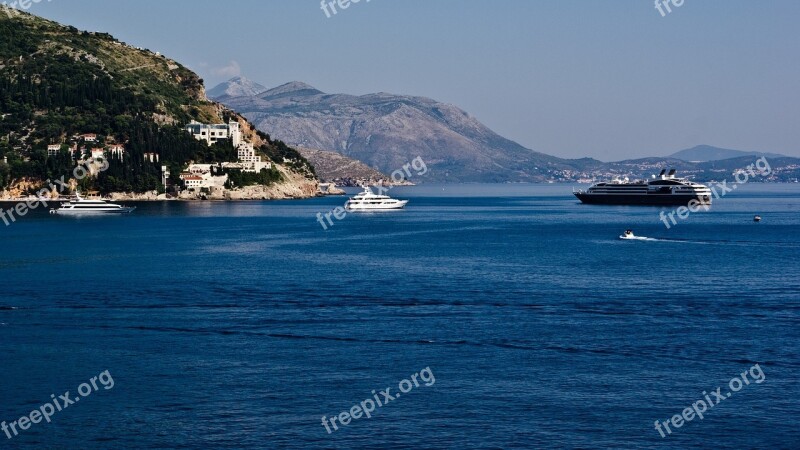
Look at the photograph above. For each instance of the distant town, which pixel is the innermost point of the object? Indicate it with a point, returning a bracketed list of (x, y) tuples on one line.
[(788, 173), (196, 177), (201, 177)]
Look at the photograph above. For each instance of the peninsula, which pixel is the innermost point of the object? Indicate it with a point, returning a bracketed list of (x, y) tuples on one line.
[(71, 96)]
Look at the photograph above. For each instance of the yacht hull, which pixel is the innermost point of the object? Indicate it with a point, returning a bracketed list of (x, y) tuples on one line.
[(395, 206), (70, 212)]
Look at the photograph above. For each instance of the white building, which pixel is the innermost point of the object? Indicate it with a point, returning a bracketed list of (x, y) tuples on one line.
[(257, 166), (235, 132), (165, 176), (211, 134), (199, 176), (247, 153), (151, 157), (117, 150), (234, 166), (192, 181), (250, 160), (200, 169), (53, 149)]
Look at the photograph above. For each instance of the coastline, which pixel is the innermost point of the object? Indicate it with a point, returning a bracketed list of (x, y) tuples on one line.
[(252, 193), (293, 187)]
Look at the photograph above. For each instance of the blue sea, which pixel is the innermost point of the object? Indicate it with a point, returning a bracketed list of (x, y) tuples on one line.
[(507, 316)]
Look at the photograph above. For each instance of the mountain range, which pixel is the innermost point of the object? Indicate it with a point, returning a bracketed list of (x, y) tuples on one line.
[(385, 131)]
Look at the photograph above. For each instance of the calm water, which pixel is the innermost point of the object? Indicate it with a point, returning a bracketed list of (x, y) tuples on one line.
[(242, 324)]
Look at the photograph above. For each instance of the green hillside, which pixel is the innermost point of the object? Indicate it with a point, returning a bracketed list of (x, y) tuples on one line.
[(57, 83)]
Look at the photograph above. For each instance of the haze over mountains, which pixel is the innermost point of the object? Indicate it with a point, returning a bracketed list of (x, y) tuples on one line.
[(709, 153), (386, 131)]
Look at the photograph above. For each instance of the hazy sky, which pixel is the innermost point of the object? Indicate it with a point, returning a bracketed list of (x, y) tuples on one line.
[(610, 79)]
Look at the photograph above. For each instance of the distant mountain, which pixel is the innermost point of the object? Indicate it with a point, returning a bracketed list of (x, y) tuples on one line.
[(386, 131), (236, 87), (293, 89), (704, 153)]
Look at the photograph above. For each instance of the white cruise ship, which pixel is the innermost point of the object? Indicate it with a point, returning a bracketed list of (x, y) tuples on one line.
[(663, 190), (81, 206), (369, 201)]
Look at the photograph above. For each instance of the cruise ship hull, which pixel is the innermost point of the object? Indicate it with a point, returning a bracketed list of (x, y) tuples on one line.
[(641, 199)]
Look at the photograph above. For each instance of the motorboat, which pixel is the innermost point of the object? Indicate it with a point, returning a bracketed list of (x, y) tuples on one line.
[(629, 236)]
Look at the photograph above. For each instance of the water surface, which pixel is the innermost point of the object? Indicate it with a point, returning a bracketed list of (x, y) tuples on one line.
[(242, 324)]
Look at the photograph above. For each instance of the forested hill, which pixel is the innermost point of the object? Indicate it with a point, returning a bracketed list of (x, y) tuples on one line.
[(57, 83)]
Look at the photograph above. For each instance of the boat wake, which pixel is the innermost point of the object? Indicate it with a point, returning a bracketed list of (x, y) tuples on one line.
[(708, 241), (638, 238)]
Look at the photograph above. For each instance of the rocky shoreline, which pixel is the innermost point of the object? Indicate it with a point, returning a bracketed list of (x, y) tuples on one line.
[(247, 194), (294, 187)]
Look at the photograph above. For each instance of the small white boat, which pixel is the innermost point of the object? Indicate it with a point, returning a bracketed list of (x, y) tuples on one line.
[(83, 207), (369, 201), (628, 235)]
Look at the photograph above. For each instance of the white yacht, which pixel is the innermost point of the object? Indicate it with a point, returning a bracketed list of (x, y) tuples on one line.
[(369, 201), (81, 206)]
